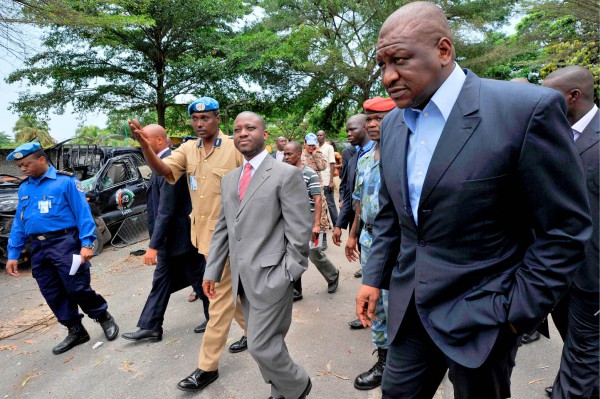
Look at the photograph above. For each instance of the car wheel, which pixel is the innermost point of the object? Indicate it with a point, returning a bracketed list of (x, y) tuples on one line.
[(98, 244)]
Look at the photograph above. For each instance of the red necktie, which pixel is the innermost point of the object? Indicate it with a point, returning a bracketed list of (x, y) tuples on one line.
[(245, 180)]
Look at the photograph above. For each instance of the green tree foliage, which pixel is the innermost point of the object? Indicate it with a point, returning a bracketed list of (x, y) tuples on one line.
[(551, 35), (315, 59), (29, 127), (134, 68), (6, 141)]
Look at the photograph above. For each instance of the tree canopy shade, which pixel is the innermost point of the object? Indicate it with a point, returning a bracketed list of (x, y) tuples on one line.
[(29, 127), (136, 67), (317, 57)]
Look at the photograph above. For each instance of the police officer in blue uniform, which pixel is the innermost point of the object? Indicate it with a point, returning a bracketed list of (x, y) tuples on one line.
[(54, 214)]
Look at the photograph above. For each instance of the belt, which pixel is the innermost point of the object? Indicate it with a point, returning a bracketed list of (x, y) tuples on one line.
[(368, 228), (51, 234)]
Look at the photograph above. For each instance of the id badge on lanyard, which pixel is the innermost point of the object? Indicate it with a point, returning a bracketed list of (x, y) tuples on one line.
[(193, 183)]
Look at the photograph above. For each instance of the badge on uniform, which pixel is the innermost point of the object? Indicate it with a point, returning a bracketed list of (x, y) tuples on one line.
[(44, 206), (193, 183), (79, 186)]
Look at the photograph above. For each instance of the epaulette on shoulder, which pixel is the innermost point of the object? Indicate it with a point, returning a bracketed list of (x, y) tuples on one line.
[(64, 172)]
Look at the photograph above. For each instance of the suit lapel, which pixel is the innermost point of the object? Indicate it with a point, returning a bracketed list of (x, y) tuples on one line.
[(459, 127), (260, 176), (589, 136), (401, 146)]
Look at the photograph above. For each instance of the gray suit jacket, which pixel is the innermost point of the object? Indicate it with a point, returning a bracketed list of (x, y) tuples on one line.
[(505, 166), (266, 236)]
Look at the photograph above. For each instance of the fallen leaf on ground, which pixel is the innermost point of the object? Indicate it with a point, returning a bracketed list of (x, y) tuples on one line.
[(126, 366), (342, 377), (99, 362), (537, 380), (28, 341), (8, 348), (173, 340), (26, 380), (67, 360)]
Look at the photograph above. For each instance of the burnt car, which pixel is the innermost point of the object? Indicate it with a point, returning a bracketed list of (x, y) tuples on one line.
[(116, 195)]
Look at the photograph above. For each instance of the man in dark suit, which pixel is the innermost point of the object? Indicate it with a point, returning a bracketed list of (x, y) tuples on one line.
[(178, 263), (359, 139), (578, 374), (481, 227)]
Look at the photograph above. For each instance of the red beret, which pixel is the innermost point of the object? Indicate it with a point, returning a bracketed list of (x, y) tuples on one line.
[(379, 104)]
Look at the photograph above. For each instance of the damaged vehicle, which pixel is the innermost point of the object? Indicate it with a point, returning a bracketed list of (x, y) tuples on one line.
[(116, 194)]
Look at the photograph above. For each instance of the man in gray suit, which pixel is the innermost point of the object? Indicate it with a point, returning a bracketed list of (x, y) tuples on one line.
[(481, 225), (265, 229)]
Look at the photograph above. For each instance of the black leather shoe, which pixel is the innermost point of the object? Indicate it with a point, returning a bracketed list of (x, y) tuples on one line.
[(77, 336), (358, 273), (356, 324), (240, 345), (141, 335), (548, 391), (198, 380), (333, 286), (297, 296), (306, 390), (529, 338), (201, 328), (108, 324), (372, 379)]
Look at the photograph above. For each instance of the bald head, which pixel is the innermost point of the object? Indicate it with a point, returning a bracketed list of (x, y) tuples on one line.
[(355, 129), (156, 136), (425, 19), (249, 134), (155, 131), (576, 84)]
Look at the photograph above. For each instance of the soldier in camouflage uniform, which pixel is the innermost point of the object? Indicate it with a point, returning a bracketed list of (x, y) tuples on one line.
[(312, 158), (366, 195)]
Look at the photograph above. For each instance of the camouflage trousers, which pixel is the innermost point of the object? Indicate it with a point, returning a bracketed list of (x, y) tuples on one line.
[(379, 328)]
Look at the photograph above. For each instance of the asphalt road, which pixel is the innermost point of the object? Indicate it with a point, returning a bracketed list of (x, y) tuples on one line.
[(319, 340)]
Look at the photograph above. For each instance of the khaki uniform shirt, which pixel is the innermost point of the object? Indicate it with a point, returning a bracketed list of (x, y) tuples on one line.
[(191, 160)]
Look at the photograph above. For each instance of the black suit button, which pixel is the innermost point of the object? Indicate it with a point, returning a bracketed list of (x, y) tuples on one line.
[(422, 243)]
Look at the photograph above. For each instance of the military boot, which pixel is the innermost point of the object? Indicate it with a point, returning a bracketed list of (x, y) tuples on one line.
[(77, 335), (372, 379)]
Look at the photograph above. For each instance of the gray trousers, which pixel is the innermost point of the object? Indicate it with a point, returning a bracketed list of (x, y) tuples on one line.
[(267, 329), (323, 264)]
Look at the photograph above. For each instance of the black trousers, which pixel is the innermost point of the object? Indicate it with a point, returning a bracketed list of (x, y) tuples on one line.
[(171, 275), (333, 213), (415, 366), (578, 373)]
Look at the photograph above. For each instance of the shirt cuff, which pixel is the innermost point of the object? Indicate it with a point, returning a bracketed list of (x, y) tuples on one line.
[(14, 254), (87, 241)]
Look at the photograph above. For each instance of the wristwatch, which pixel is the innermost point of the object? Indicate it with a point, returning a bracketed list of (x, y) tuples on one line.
[(87, 246)]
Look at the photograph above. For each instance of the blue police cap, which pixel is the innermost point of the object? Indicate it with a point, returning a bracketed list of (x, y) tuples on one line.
[(203, 104), (23, 151), (311, 139)]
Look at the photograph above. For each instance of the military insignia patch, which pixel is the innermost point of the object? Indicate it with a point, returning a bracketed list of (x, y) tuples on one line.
[(124, 199), (200, 107), (18, 155), (218, 142), (79, 186)]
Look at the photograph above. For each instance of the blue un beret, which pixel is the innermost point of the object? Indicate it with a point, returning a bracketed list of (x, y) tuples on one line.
[(203, 104), (23, 151)]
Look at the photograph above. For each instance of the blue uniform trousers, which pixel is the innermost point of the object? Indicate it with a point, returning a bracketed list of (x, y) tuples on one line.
[(51, 261), (170, 275)]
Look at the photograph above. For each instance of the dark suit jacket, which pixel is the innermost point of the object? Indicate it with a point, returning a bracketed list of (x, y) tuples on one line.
[(349, 163), (169, 207), (588, 277), (498, 174)]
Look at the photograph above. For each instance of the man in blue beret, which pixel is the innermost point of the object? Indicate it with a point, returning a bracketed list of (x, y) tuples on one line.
[(203, 163), (54, 214)]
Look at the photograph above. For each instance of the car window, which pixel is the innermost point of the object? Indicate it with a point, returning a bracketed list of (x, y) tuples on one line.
[(116, 173)]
